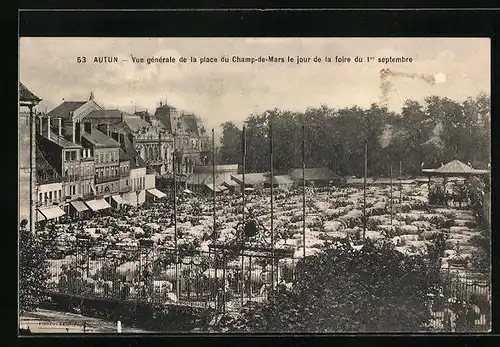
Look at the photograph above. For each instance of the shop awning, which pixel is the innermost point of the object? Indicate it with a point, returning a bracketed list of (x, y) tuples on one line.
[(79, 206), (51, 212), (156, 193), (96, 205), (119, 200), (222, 188)]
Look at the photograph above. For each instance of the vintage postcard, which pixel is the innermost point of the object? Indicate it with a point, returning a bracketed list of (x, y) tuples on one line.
[(278, 185)]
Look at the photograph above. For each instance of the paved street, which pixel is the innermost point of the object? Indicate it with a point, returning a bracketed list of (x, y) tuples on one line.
[(46, 321)]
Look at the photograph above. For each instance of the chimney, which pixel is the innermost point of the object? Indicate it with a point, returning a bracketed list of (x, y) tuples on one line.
[(59, 126), (48, 128), (40, 124)]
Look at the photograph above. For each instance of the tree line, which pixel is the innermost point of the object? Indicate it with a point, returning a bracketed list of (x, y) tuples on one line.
[(424, 134)]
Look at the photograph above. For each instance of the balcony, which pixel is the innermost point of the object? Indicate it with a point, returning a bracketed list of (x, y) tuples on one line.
[(125, 189), (53, 202), (156, 161), (73, 178), (105, 179), (88, 196)]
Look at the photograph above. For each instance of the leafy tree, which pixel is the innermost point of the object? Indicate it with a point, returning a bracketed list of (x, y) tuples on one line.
[(376, 289), (230, 152), (434, 131), (33, 271)]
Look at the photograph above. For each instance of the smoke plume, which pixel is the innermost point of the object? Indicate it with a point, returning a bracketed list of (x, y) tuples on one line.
[(386, 85)]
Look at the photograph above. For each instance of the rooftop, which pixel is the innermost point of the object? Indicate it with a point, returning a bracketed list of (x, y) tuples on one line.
[(105, 114), (100, 140), (61, 141), (64, 110), (25, 95), (314, 174), (455, 167)]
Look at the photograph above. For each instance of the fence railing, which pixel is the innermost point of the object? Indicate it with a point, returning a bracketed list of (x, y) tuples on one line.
[(223, 281), (227, 280), (464, 303)]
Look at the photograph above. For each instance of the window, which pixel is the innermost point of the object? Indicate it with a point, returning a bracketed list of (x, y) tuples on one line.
[(40, 197), (126, 182), (73, 155), (45, 197), (101, 158), (66, 156), (60, 193), (50, 195)]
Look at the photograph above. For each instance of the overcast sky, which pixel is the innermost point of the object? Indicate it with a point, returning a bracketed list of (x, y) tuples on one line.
[(219, 92)]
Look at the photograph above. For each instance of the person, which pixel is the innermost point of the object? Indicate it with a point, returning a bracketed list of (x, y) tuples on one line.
[(24, 224)]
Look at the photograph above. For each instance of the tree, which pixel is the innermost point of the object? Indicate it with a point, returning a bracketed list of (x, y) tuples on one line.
[(376, 289), (230, 151), (33, 271)]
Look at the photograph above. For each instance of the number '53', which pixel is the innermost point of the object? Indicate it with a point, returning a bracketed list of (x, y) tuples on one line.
[(81, 59)]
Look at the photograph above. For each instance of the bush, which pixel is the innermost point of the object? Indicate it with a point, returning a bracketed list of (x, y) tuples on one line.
[(375, 289), (33, 271)]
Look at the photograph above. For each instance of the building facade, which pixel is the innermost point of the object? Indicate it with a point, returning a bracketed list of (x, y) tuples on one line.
[(27, 162)]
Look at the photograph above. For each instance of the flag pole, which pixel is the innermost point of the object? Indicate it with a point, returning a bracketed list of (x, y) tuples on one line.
[(177, 284), (272, 199), (303, 191), (364, 190)]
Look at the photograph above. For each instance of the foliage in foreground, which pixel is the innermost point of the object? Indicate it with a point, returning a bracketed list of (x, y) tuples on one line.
[(33, 271), (376, 289)]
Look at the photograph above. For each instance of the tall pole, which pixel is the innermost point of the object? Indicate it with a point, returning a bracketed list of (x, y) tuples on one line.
[(177, 286), (304, 191), (391, 190), (213, 206), (400, 182), (364, 190), (243, 166), (31, 202), (272, 200)]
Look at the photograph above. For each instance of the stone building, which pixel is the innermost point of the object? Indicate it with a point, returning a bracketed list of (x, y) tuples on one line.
[(192, 143), (27, 162)]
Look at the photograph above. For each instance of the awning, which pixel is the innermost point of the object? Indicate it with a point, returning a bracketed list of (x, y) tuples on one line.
[(96, 205), (51, 212), (156, 193), (79, 206), (211, 187), (222, 188), (119, 200)]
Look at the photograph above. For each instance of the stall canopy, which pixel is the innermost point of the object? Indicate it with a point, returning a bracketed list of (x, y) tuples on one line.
[(96, 205), (51, 212), (79, 206), (156, 193), (119, 200), (211, 187), (454, 168)]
